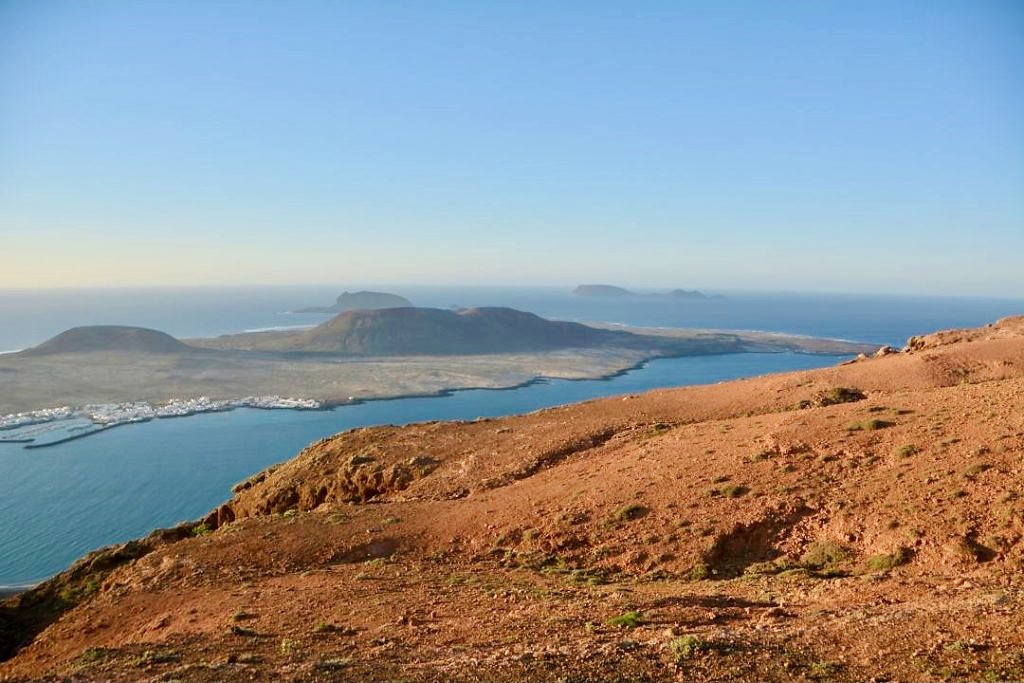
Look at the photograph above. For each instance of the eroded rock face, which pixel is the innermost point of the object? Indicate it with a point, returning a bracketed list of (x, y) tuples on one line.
[(1005, 328), (357, 478)]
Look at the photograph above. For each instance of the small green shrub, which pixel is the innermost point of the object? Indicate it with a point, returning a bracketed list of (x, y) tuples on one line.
[(630, 619), (832, 396), (794, 573), (237, 630), (976, 469), (78, 592), (629, 513), (824, 555), (589, 577), (201, 530), (151, 657), (770, 567), (735, 491), (685, 647), (840, 395), (94, 654), (821, 670), (329, 665), (699, 572), (885, 562), (906, 451)]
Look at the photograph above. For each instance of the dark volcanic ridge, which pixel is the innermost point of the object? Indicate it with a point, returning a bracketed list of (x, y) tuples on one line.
[(432, 331)]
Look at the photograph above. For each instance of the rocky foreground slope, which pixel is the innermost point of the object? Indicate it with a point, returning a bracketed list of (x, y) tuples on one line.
[(859, 522)]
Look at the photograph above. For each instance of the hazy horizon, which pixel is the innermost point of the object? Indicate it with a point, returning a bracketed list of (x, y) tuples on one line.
[(804, 147), (394, 287)]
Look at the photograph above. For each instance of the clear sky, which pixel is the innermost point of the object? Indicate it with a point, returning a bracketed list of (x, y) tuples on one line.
[(836, 146)]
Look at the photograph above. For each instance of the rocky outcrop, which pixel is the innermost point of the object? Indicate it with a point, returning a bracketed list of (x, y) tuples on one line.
[(1012, 326)]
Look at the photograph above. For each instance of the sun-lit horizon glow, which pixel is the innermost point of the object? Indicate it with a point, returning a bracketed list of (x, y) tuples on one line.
[(869, 147)]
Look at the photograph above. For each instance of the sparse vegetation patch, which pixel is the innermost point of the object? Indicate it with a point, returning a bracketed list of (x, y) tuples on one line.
[(735, 491), (824, 555), (906, 451), (630, 619), (976, 469), (685, 647), (885, 562), (629, 513)]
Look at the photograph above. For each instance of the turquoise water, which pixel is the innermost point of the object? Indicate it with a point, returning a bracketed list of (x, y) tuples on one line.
[(60, 502)]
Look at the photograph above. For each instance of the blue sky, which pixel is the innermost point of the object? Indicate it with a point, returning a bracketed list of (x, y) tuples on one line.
[(831, 146)]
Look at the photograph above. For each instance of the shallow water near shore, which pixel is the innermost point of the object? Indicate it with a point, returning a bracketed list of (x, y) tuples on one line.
[(60, 502)]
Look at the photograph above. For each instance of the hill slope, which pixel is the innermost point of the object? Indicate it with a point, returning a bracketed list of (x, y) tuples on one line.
[(95, 338), (432, 331), (857, 522)]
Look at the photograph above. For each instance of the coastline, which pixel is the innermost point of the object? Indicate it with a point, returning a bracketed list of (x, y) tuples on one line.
[(11, 590), (629, 390), (305, 404)]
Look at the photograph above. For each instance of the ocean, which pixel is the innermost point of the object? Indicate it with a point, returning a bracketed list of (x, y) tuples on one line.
[(58, 503)]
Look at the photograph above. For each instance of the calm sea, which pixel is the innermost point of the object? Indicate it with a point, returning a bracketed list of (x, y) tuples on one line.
[(58, 503)]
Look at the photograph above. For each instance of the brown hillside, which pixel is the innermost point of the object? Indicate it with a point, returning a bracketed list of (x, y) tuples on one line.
[(858, 522), (94, 338)]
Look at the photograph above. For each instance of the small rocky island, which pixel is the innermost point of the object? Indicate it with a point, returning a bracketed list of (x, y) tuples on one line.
[(363, 300), (612, 291)]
